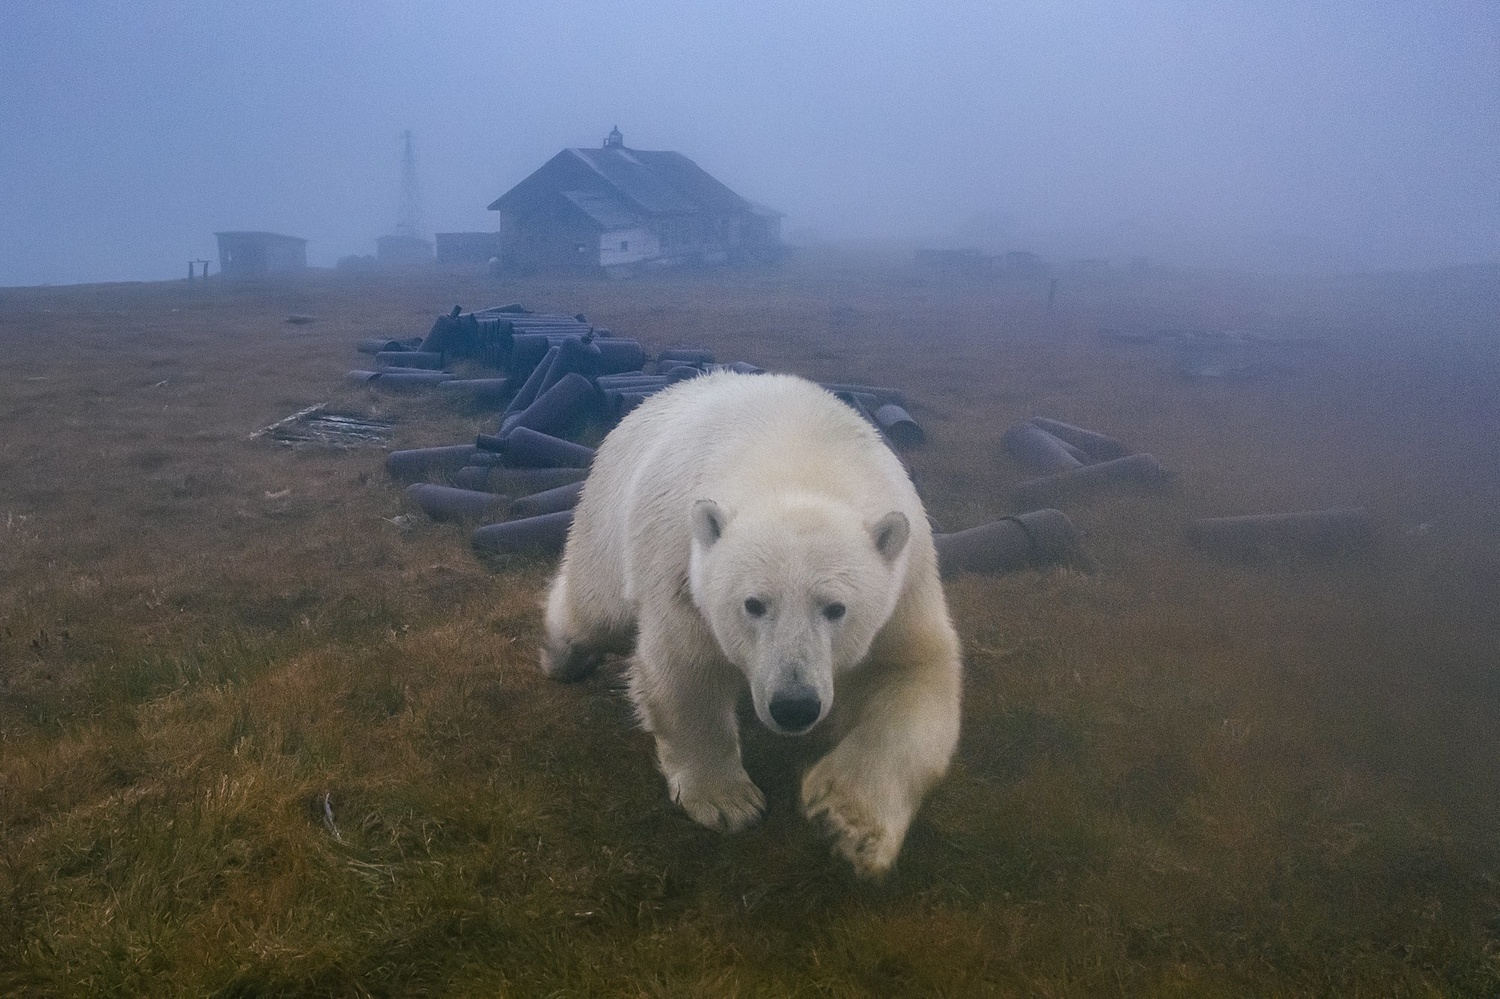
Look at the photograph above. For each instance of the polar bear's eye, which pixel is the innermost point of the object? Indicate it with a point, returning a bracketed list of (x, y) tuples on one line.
[(755, 608), (834, 611)]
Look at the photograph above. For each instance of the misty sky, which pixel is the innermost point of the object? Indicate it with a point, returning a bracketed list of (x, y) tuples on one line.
[(1267, 134)]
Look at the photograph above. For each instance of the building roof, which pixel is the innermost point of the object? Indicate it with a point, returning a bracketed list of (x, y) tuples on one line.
[(254, 234), (617, 180), (609, 210)]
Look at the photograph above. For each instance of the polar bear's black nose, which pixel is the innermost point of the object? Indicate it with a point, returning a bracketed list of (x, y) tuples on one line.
[(796, 707)]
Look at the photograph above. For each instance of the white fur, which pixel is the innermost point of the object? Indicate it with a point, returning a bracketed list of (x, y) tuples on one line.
[(734, 487)]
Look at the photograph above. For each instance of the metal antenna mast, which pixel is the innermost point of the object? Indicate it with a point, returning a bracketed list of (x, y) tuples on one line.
[(409, 216)]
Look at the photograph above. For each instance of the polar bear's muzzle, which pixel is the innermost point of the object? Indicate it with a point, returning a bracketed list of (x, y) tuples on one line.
[(795, 708)]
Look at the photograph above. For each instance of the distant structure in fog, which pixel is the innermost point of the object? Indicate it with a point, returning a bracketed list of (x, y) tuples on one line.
[(618, 210), (461, 249), (405, 247), (260, 254)]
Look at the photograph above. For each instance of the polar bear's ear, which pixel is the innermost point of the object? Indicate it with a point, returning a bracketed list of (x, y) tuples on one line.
[(891, 533), (708, 522)]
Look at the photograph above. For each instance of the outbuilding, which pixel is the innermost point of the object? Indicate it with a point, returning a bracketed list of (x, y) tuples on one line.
[(616, 210), (260, 254)]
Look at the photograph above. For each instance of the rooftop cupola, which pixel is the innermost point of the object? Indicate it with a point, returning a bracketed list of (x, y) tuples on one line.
[(614, 140)]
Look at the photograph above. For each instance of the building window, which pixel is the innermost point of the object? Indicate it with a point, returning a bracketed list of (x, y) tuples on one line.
[(624, 245)]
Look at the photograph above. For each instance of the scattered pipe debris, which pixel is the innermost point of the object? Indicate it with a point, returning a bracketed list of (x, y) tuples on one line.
[(516, 481), (1308, 532), (543, 535), (452, 503), (1029, 540), (1133, 469), (899, 427), (1074, 461), (417, 462), (558, 376), (1099, 447), (1040, 451), (548, 500)]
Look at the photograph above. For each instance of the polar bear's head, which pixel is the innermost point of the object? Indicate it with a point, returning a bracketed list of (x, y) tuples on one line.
[(795, 592)]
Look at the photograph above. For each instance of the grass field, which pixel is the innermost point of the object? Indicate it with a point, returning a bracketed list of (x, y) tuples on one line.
[(258, 740)]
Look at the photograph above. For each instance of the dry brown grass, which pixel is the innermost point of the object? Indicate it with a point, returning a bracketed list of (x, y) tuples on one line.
[(1178, 776)]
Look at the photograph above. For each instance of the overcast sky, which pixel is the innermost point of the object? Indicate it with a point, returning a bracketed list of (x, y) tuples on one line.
[(1266, 134)]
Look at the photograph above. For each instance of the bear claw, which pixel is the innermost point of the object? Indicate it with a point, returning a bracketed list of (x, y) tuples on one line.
[(727, 806), (570, 663), (864, 842)]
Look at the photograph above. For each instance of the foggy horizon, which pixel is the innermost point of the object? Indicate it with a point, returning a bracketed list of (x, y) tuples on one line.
[(1278, 138)]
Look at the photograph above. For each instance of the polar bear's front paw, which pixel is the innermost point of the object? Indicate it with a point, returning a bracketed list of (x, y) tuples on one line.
[(569, 662), (863, 832), (726, 802)]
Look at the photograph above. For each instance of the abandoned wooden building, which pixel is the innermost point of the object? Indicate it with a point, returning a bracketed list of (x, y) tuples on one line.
[(402, 250), (617, 210), (260, 254)]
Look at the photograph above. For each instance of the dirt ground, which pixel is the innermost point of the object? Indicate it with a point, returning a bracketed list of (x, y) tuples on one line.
[(264, 729)]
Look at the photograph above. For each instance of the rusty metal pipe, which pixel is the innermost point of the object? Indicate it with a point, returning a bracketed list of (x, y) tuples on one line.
[(1100, 447), (619, 354), (1133, 469), (571, 400), (1312, 532), (1039, 451), (684, 355), (543, 535), (532, 386), (427, 359), (631, 382), (1039, 538), (516, 481), (899, 426), (525, 448), (416, 462), (376, 345), (573, 356), (548, 500), (406, 381), (885, 395), (450, 503), (527, 351), (619, 403)]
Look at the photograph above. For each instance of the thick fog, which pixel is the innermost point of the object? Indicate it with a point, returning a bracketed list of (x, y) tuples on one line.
[(1277, 135)]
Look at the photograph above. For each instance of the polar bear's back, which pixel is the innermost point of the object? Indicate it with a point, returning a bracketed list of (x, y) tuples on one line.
[(734, 439)]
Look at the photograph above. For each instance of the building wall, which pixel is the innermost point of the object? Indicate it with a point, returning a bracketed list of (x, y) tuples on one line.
[(622, 247), (251, 255), (459, 248), (546, 241), (286, 256)]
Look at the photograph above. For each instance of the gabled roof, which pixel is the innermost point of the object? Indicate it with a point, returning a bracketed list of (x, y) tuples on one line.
[(649, 182), (608, 210)]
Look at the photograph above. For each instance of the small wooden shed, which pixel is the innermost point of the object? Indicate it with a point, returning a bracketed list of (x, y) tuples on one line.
[(260, 254)]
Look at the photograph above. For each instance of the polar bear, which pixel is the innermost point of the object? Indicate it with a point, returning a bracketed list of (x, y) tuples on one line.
[(754, 532)]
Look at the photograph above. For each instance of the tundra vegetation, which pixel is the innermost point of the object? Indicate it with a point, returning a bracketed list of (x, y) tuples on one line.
[(260, 735)]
